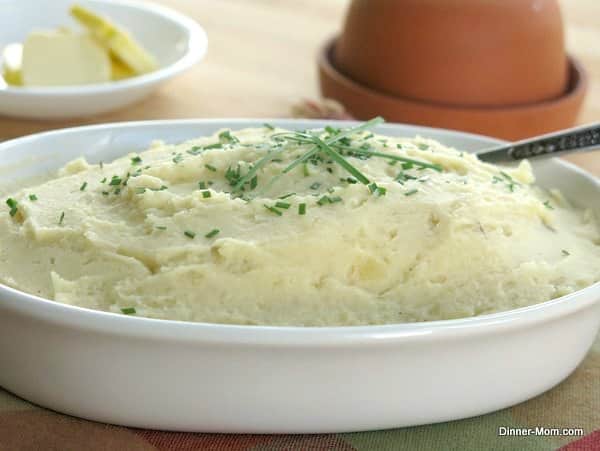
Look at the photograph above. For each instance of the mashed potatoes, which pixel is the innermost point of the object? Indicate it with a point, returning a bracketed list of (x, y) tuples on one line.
[(383, 230)]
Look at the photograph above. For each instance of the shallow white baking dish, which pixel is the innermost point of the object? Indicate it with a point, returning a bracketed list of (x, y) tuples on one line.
[(219, 378)]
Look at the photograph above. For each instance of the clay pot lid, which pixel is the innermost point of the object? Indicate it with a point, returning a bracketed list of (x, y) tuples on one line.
[(511, 122)]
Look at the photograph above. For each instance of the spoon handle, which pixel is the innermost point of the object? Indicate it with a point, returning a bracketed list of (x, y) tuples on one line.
[(579, 139)]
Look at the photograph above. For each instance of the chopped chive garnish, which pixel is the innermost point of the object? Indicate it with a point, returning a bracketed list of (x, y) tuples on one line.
[(302, 209), (324, 200), (195, 150), (103, 180), (206, 194), (105, 193), (331, 130), (161, 227), (283, 205), (33, 197), (115, 181), (233, 175), (286, 196), (315, 186), (273, 210), (335, 199), (258, 165), (565, 253), (212, 233), (411, 192), (128, 311), (189, 234), (548, 206), (318, 144), (202, 185), (13, 205), (373, 187), (178, 158), (227, 137), (83, 186), (253, 182), (367, 153), (423, 146), (305, 171), (213, 146), (140, 190), (210, 167), (62, 218), (381, 191), (340, 160), (136, 160), (269, 126)]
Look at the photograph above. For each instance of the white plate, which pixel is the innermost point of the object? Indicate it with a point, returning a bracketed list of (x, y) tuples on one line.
[(175, 40), (221, 378)]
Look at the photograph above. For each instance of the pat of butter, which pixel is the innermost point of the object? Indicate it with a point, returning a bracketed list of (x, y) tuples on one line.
[(11, 61), (55, 58)]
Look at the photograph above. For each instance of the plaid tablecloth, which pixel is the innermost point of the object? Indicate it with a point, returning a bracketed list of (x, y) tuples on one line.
[(573, 404)]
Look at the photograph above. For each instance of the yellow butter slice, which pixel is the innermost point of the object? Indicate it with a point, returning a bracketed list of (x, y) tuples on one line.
[(120, 43), (120, 71), (55, 58), (12, 58)]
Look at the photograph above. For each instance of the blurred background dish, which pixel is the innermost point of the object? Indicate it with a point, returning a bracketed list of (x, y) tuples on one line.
[(497, 67), (462, 52), (173, 40), (508, 122)]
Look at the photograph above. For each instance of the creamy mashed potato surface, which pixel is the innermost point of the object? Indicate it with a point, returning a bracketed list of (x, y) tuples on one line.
[(169, 233)]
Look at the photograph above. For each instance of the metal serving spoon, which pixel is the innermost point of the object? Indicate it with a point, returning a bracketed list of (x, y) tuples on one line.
[(579, 139)]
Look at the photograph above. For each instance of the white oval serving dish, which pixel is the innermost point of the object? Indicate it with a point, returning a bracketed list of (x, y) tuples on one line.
[(221, 378), (175, 40)]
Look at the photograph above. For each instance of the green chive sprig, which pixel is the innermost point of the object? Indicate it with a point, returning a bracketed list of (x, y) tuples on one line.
[(212, 233), (273, 210), (13, 205)]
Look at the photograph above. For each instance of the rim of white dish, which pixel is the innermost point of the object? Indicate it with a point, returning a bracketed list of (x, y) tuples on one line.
[(197, 47), (89, 320)]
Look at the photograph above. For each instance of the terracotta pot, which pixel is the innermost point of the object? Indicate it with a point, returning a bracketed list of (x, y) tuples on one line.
[(510, 123), (456, 52)]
